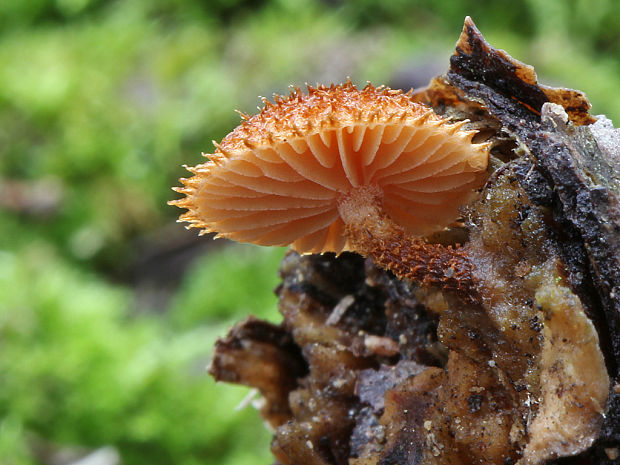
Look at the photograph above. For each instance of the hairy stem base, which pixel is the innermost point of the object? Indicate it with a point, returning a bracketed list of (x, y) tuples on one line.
[(373, 234)]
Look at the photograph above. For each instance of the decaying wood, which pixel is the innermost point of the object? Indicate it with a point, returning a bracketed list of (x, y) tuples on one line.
[(366, 369)]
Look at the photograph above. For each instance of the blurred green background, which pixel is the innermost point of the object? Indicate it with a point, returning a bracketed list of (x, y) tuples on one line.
[(108, 308)]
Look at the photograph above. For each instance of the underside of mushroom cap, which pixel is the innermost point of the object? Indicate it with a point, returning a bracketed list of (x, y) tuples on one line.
[(277, 178)]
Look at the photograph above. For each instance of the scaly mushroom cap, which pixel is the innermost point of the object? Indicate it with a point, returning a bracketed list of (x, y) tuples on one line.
[(277, 178)]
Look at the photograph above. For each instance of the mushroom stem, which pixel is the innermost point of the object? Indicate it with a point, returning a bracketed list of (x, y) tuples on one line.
[(372, 233)]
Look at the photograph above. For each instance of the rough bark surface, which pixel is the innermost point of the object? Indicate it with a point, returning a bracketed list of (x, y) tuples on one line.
[(366, 369)]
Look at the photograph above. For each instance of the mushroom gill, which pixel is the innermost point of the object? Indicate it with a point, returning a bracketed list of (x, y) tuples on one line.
[(321, 170)]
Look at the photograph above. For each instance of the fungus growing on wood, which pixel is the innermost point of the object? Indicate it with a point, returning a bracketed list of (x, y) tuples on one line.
[(342, 169), (370, 370)]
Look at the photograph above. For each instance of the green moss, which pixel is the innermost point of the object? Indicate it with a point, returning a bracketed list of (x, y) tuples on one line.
[(79, 370), (230, 283)]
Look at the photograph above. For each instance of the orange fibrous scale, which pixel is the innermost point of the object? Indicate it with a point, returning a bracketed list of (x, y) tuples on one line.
[(383, 238), (280, 176)]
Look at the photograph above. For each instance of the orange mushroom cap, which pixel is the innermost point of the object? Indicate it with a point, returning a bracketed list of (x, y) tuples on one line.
[(278, 178)]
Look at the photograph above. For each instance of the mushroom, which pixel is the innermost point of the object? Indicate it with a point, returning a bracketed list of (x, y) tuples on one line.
[(338, 169)]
